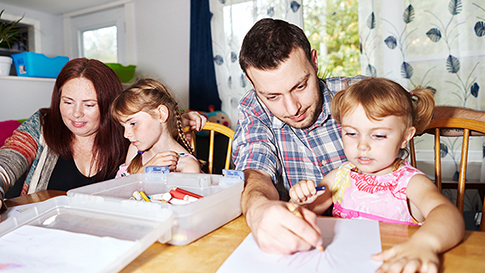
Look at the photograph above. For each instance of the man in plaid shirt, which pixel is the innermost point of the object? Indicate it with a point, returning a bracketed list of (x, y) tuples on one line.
[(285, 133)]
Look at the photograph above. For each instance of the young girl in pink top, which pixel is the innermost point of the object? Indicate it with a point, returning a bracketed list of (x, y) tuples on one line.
[(378, 118), (152, 123)]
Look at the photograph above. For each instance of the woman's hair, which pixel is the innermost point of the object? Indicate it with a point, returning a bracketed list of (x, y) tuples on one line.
[(110, 147), (147, 95), (381, 97), (269, 43)]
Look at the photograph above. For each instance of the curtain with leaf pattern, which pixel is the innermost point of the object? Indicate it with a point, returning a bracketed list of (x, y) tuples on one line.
[(438, 44), (231, 20)]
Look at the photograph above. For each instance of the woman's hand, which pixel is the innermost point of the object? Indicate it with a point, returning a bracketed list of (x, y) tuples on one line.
[(193, 119), (304, 192)]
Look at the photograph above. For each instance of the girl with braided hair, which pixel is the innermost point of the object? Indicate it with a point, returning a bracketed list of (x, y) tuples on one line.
[(152, 122)]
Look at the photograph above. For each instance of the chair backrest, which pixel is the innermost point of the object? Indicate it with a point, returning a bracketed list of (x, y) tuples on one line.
[(213, 128), (435, 127)]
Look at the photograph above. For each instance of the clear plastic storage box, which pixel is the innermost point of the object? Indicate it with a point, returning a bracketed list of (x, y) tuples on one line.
[(138, 224), (220, 202)]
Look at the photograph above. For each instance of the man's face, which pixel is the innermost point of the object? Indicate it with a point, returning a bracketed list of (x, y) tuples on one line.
[(290, 91)]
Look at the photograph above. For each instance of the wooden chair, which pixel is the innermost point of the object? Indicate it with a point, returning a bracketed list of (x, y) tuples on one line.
[(213, 128), (468, 125)]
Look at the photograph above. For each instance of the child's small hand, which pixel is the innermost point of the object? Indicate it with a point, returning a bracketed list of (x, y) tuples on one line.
[(166, 158), (408, 257), (304, 192)]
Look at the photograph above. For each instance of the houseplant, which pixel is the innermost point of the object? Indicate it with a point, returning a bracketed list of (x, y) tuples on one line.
[(10, 33)]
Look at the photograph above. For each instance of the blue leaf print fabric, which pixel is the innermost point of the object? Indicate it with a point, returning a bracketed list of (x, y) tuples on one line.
[(391, 42), (479, 28), (452, 64), (454, 7), (474, 89), (371, 21), (408, 15), (295, 6), (218, 60), (434, 34), (406, 70)]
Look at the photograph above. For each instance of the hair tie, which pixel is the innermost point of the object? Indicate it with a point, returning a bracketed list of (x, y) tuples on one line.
[(141, 152), (411, 93)]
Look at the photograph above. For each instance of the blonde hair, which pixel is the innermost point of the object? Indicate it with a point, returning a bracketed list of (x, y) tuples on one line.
[(147, 95), (381, 97)]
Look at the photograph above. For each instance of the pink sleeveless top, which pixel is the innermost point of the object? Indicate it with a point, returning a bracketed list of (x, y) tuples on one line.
[(381, 198)]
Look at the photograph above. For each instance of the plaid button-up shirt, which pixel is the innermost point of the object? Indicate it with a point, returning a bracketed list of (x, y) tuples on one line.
[(289, 155)]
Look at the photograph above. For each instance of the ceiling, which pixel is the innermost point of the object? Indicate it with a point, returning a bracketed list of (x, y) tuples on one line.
[(57, 7)]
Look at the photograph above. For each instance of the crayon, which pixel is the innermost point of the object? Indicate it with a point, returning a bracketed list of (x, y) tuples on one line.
[(295, 210)]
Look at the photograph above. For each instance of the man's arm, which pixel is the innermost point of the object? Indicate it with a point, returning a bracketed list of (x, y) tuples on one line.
[(274, 227), (458, 112)]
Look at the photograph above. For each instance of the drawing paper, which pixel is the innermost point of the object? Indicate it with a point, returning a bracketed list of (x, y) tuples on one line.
[(348, 244)]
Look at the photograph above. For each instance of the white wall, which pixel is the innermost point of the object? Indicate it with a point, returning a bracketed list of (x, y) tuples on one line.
[(162, 30), (52, 36)]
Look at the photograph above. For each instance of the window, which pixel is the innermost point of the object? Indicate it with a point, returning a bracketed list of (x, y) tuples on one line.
[(333, 30), (98, 35), (100, 44)]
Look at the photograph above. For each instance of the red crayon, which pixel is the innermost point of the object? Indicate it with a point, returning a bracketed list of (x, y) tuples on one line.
[(182, 196), (187, 192)]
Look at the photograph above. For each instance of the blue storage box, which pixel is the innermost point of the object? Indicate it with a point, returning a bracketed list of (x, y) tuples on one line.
[(31, 64)]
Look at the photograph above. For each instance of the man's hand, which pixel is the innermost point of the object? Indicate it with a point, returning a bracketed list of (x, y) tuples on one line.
[(193, 119), (279, 231)]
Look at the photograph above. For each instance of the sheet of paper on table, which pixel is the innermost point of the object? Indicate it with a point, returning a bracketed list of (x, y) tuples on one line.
[(38, 249), (348, 248)]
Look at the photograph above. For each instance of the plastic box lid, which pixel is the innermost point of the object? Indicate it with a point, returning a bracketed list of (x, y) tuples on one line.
[(142, 223), (219, 205)]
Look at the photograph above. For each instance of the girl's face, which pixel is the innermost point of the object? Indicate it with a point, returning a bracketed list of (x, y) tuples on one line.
[(79, 107), (371, 145), (142, 129)]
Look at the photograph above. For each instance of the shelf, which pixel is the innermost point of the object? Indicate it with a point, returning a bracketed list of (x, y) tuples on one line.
[(17, 78)]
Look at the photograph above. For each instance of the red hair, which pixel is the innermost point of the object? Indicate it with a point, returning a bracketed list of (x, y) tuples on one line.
[(110, 146)]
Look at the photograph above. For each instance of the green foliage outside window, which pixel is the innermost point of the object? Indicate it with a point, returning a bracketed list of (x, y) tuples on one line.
[(332, 26)]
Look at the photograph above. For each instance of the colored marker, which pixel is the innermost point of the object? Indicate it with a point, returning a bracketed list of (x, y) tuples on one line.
[(187, 192), (137, 196), (320, 188), (144, 196), (182, 196)]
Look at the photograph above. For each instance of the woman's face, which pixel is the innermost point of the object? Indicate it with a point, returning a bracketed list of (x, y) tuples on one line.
[(79, 107)]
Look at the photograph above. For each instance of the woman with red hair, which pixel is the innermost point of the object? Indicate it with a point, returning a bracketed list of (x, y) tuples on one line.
[(74, 142)]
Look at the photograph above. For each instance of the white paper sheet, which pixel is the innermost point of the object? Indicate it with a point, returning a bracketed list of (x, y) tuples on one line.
[(37, 249), (348, 248)]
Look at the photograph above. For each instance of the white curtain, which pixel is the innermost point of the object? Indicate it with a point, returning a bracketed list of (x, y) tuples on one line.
[(230, 22), (434, 43)]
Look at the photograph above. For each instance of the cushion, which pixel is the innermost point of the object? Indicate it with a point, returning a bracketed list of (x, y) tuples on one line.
[(6, 129)]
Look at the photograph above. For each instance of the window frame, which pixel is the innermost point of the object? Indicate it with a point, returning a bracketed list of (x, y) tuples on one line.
[(125, 29)]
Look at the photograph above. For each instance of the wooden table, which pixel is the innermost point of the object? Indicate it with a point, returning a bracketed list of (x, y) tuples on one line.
[(209, 252)]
